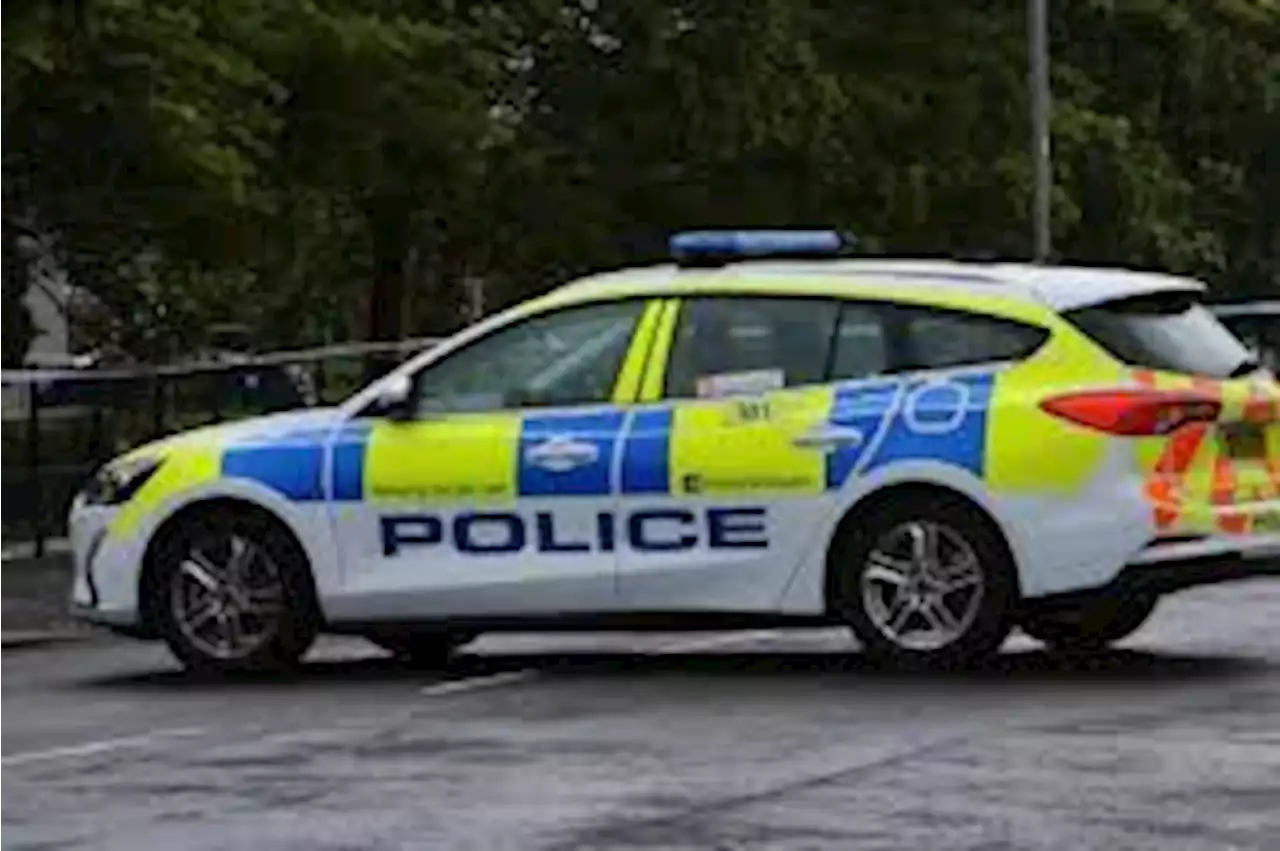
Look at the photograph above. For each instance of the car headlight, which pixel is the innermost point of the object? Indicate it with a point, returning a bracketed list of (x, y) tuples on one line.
[(118, 481)]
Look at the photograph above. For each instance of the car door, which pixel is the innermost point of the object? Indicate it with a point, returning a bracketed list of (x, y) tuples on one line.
[(495, 496), (728, 472)]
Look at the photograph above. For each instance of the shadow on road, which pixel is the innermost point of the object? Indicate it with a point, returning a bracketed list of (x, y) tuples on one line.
[(1008, 670)]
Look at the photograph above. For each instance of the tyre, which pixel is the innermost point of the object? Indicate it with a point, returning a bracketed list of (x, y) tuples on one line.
[(924, 581), (231, 590), (425, 649), (1089, 626)]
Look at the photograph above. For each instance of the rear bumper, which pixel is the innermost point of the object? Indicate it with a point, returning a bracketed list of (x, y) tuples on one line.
[(1166, 568)]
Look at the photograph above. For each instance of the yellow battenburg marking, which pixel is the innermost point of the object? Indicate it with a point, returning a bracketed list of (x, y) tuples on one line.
[(656, 370), (746, 446), (185, 466), (627, 388), (468, 456), (1018, 430)]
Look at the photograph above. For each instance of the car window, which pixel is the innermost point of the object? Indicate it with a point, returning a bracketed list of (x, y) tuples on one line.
[(729, 345), (861, 344), (939, 339), (1259, 332), (571, 357), (1171, 332)]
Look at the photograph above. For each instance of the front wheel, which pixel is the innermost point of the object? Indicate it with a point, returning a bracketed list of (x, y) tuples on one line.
[(925, 582), (1089, 626), (231, 591)]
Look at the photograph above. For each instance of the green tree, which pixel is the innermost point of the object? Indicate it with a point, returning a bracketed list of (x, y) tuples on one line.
[(387, 115)]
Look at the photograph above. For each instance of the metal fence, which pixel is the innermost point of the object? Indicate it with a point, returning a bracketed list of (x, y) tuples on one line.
[(59, 425)]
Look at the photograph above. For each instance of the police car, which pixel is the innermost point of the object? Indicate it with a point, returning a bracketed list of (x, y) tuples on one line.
[(764, 431)]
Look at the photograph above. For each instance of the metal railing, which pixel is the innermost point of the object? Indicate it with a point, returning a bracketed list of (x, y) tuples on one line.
[(59, 425)]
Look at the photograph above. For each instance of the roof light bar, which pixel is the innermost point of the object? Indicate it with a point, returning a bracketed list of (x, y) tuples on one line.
[(720, 246)]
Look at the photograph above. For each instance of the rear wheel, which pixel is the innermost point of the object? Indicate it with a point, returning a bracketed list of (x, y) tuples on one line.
[(925, 581), (1089, 626), (426, 649), (231, 590)]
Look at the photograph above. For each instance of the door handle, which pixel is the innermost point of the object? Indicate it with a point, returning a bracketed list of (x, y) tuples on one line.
[(829, 438)]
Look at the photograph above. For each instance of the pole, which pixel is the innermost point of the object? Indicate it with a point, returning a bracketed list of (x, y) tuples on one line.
[(36, 492), (1041, 151)]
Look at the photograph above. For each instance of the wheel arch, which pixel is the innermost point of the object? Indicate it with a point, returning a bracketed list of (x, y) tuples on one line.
[(147, 596), (890, 493)]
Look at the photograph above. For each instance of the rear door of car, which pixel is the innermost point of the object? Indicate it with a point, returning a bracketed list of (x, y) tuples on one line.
[(725, 471), (767, 413)]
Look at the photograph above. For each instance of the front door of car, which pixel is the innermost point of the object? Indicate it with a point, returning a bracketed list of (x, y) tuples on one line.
[(494, 494), (727, 474)]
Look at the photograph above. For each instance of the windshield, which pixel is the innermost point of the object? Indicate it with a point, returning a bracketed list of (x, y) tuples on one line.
[(1171, 332)]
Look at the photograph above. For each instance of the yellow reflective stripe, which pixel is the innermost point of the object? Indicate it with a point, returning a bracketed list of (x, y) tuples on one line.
[(747, 445), (192, 465), (627, 387), (651, 386), (466, 456)]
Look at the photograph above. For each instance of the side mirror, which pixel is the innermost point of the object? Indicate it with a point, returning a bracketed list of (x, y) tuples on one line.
[(393, 397)]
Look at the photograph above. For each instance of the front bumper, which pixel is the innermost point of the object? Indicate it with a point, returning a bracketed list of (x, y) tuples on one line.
[(105, 570)]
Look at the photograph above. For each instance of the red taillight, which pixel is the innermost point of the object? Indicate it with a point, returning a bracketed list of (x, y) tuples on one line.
[(1135, 413)]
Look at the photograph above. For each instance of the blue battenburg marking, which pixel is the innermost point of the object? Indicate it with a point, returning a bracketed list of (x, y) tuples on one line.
[(939, 421), (646, 463), (347, 473), (569, 455), (293, 463), (935, 420), (863, 406), (293, 469)]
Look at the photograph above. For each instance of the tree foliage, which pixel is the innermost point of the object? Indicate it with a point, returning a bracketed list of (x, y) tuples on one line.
[(321, 169)]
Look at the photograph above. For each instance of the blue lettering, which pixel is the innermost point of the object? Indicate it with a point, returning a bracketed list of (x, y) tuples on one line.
[(605, 528), (736, 528), (417, 529), (648, 530), (639, 534), (547, 542), (464, 524)]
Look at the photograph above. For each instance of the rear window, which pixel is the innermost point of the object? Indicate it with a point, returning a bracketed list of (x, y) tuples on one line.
[(943, 339), (1171, 332), (1260, 332)]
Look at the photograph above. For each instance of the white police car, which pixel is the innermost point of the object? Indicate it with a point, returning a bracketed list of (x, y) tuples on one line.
[(762, 432)]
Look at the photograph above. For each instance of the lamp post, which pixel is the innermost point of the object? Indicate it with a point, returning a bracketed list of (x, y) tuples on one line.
[(1041, 150)]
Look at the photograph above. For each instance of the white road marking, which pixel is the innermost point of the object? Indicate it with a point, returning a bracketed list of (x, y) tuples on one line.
[(474, 683), (102, 746), (527, 674), (691, 644)]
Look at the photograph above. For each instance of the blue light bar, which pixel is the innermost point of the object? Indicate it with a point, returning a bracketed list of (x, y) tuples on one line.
[(720, 244)]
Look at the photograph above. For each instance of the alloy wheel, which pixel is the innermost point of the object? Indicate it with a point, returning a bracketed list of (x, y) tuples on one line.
[(922, 585), (227, 596)]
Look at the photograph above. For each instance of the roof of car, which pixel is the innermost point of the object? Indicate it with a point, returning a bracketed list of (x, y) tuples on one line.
[(1059, 287)]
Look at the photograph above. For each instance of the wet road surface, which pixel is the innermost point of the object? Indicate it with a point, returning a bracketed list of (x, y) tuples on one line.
[(780, 740)]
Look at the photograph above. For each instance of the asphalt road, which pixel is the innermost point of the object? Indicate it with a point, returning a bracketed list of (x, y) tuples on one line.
[(726, 741)]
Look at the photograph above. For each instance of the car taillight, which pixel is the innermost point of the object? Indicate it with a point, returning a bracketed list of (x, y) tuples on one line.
[(1135, 413)]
